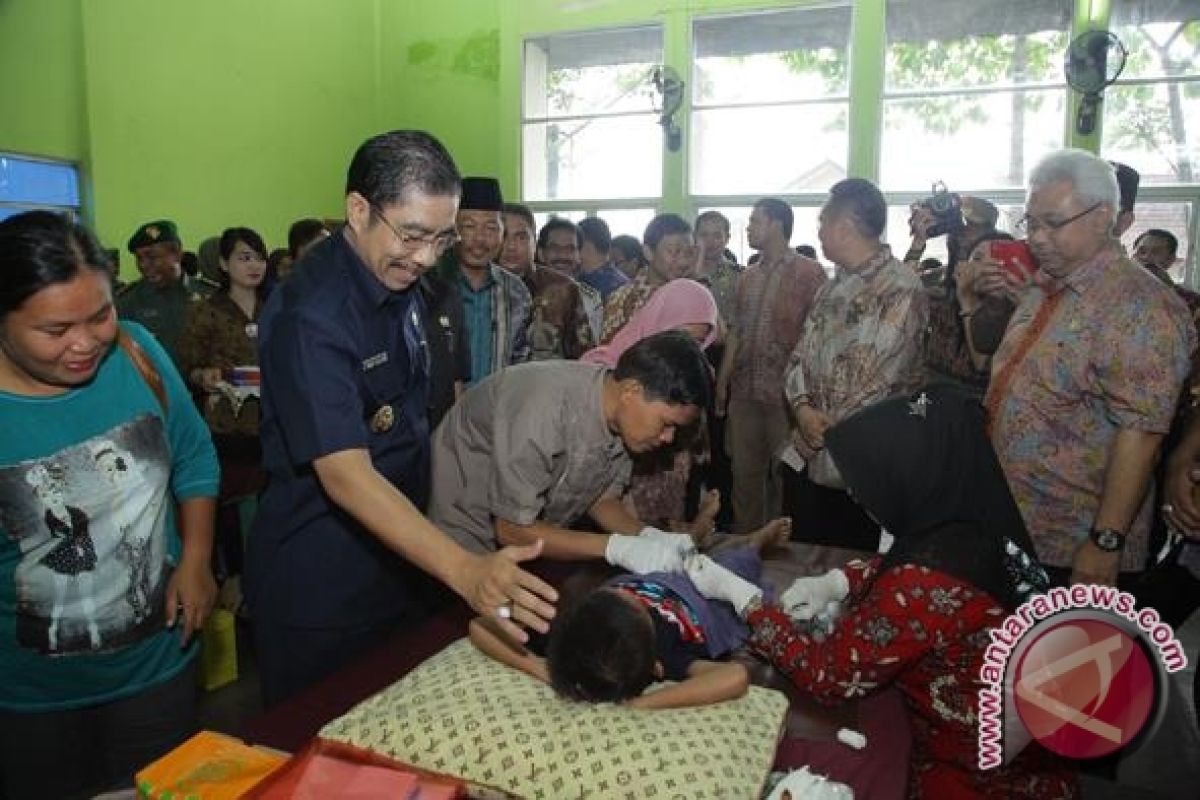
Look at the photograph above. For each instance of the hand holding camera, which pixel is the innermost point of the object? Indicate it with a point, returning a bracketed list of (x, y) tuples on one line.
[(939, 214), (920, 220)]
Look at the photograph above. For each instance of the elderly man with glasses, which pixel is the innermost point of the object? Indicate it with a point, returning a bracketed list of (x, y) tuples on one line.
[(1085, 381)]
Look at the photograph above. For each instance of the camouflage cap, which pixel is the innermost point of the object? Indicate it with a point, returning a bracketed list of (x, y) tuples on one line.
[(161, 230)]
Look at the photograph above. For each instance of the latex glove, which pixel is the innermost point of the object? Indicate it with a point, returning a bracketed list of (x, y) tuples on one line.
[(718, 583), (642, 554), (803, 783), (681, 543), (807, 597)]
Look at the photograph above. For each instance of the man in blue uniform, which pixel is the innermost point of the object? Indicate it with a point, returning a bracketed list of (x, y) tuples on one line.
[(341, 548)]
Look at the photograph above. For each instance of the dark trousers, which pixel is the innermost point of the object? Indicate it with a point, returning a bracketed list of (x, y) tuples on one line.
[(821, 515), (718, 472), (291, 658), (82, 752)]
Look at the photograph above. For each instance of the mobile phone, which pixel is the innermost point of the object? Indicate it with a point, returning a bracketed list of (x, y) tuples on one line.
[(1015, 258)]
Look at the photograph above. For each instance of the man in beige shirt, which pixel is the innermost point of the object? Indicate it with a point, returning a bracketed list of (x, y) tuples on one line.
[(535, 447)]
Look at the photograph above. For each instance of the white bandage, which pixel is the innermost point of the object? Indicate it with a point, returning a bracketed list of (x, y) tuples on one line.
[(852, 738)]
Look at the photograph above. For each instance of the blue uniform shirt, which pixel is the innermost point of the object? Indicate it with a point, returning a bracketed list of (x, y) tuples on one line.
[(345, 366)]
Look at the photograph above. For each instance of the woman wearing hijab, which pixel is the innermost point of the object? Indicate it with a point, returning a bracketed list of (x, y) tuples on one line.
[(658, 491), (918, 617), (681, 304)]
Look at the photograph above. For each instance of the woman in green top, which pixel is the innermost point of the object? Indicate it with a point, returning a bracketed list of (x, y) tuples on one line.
[(107, 485)]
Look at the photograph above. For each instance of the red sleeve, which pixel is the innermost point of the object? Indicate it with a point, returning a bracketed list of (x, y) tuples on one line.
[(858, 572), (908, 611)]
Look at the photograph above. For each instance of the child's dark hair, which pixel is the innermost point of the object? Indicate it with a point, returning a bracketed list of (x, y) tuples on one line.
[(601, 650)]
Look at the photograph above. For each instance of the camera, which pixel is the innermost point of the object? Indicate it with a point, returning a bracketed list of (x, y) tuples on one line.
[(946, 207)]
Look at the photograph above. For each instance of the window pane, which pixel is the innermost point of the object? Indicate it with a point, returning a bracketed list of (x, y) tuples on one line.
[(899, 238), (804, 230), (1173, 217), (25, 180), (542, 217), (783, 149), (972, 140), (788, 55), (594, 72), (976, 139), (1155, 129), (1160, 36), (575, 159), (940, 44), (627, 221)]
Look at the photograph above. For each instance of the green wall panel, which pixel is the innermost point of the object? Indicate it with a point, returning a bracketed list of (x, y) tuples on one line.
[(42, 100), (227, 112)]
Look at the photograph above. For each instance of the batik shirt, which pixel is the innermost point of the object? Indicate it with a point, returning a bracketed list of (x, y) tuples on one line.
[(558, 324), (88, 533), (862, 342), (722, 282), (1106, 348), (622, 304), (771, 304), (924, 632), (219, 334)]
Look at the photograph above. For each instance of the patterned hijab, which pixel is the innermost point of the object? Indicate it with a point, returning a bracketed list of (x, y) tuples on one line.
[(924, 467), (678, 303)]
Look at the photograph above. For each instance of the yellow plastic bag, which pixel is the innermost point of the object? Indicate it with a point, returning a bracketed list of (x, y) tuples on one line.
[(218, 650), (209, 766)]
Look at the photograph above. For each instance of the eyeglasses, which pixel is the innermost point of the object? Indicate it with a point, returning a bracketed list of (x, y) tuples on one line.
[(439, 243), (1028, 225)]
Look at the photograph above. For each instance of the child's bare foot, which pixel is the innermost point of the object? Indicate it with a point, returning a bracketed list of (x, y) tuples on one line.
[(701, 529), (704, 524), (775, 533)]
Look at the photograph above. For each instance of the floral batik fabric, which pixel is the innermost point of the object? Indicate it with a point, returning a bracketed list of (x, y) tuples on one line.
[(924, 632)]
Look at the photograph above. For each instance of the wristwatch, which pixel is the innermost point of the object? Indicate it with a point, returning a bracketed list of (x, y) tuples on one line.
[(1109, 540)]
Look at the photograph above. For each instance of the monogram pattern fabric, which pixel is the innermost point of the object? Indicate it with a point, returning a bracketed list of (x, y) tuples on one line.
[(462, 714)]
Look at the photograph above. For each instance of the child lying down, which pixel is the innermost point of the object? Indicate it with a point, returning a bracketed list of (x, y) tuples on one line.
[(616, 640)]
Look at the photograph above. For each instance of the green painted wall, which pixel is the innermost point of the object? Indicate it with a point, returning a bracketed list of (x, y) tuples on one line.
[(42, 108), (441, 72), (226, 112)]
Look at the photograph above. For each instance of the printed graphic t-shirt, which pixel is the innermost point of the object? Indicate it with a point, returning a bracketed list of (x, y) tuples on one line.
[(88, 535)]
